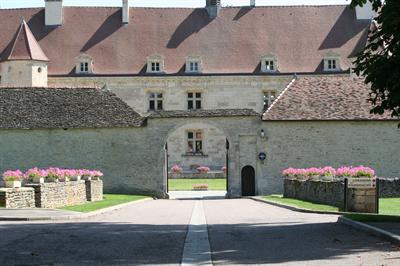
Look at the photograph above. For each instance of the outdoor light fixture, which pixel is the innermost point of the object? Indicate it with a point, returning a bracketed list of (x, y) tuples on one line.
[(262, 134)]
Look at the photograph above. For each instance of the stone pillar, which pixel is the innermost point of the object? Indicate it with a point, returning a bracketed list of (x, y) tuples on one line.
[(94, 190), (363, 200)]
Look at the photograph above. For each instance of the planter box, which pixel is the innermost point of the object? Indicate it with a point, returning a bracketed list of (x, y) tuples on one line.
[(75, 178), (13, 184), (37, 180)]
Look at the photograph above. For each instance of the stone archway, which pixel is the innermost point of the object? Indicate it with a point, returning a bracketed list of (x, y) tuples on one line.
[(195, 144)]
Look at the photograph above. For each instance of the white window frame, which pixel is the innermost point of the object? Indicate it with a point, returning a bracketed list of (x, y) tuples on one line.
[(84, 64), (156, 98), (331, 59), (194, 98), (194, 140), (192, 60), (268, 100), (154, 60), (266, 61)]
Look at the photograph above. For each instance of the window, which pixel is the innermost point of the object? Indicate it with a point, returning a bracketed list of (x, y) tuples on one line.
[(331, 64), (195, 142), (193, 64), (269, 63), (84, 64), (155, 64), (269, 98), (155, 101), (194, 100), (84, 67), (331, 61)]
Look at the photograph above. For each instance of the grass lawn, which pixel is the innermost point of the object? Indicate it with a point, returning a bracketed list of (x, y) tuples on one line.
[(109, 200), (187, 184), (301, 203), (389, 206)]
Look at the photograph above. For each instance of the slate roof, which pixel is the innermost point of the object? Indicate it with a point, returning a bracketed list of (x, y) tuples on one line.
[(204, 113), (324, 98), (299, 36), (24, 46), (35, 108)]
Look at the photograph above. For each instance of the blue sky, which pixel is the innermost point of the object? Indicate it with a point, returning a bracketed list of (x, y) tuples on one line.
[(165, 3)]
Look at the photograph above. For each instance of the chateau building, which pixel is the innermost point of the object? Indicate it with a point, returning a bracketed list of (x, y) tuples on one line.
[(133, 91)]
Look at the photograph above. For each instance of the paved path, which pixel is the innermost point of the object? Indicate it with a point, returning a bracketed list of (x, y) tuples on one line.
[(209, 194), (33, 213), (239, 232)]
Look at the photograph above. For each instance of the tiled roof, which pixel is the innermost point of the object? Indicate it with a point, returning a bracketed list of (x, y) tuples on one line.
[(24, 46), (234, 42), (324, 98), (34, 108), (203, 113)]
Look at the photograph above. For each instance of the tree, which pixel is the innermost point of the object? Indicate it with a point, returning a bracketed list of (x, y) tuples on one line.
[(379, 62)]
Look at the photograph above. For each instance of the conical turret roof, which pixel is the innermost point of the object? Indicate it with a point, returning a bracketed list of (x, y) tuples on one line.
[(24, 46)]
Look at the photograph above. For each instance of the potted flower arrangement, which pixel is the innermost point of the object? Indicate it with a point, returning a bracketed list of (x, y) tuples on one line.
[(294, 173), (53, 175), (73, 175), (203, 169), (328, 173), (96, 174), (176, 169), (35, 175), (362, 172), (224, 169), (313, 173), (344, 172), (12, 179), (85, 174)]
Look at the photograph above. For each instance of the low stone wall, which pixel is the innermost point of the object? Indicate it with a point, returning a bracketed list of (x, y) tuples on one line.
[(389, 188), (94, 190), (17, 198), (330, 193), (211, 175), (59, 194)]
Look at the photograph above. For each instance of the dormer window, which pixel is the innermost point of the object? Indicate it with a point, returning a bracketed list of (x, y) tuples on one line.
[(193, 64), (331, 62), (269, 64), (155, 64), (84, 64)]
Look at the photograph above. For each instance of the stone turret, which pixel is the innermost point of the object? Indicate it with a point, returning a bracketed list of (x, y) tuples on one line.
[(24, 64)]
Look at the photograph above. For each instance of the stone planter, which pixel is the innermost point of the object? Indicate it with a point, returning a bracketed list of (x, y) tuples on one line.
[(75, 178), (327, 178), (96, 178), (37, 180), (87, 178), (315, 177), (51, 180), (13, 184)]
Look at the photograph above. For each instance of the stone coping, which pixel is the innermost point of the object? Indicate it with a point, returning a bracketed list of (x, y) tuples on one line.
[(4, 189)]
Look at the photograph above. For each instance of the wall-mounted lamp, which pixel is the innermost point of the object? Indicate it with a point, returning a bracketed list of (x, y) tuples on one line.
[(262, 134)]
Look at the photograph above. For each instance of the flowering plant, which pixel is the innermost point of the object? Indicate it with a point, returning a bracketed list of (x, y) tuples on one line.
[(200, 187), (223, 169), (10, 176), (309, 172), (328, 171), (176, 169), (35, 173), (294, 173), (362, 171), (203, 169)]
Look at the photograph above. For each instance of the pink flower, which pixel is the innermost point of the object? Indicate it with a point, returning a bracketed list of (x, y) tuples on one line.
[(203, 169), (176, 169), (13, 175), (328, 171)]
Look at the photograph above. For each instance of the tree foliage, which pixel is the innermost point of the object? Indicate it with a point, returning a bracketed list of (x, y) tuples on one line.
[(379, 62)]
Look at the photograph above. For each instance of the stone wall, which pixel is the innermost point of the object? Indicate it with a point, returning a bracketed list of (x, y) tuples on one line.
[(94, 190), (218, 92), (331, 193), (389, 188), (17, 198), (59, 194)]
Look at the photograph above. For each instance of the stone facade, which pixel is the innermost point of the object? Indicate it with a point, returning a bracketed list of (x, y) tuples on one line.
[(59, 194), (24, 73), (218, 92), (303, 144), (94, 190), (17, 198)]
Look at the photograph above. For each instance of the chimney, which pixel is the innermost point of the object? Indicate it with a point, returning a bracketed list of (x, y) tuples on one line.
[(252, 3), (365, 12), (54, 12), (213, 7), (125, 11)]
